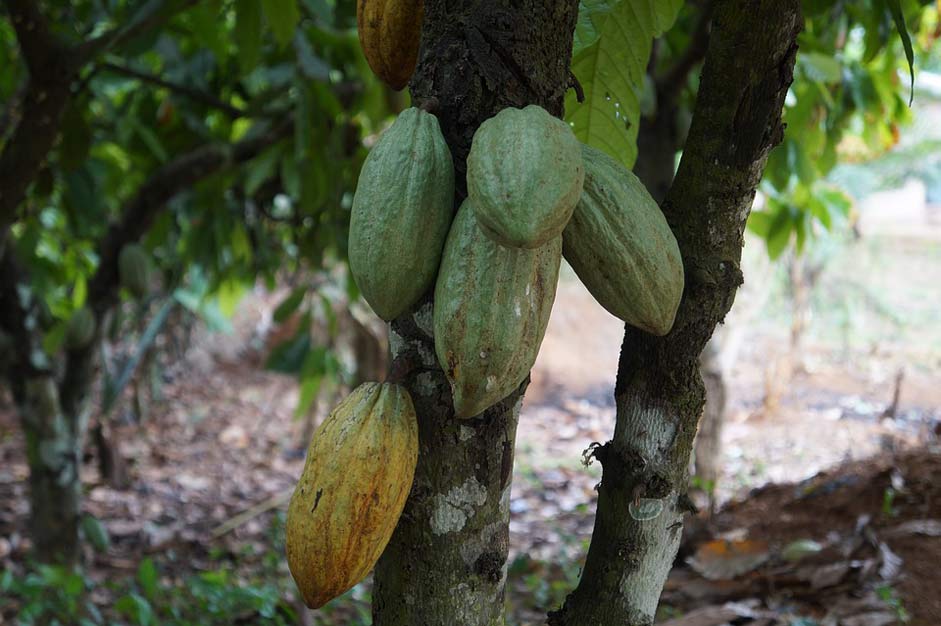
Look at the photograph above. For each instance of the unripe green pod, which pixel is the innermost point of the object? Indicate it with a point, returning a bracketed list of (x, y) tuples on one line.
[(135, 269), (524, 176), (621, 246), (80, 329), (492, 306), (402, 209)]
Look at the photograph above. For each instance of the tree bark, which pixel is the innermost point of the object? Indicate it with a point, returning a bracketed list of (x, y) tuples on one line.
[(446, 562), (54, 452), (659, 392), (708, 445)]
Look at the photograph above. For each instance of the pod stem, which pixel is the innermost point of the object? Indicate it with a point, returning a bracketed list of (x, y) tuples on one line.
[(400, 368)]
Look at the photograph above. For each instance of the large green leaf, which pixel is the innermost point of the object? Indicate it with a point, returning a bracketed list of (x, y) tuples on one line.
[(899, 18), (248, 33), (612, 45), (282, 16)]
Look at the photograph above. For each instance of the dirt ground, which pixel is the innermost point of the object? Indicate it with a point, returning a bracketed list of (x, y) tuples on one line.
[(214, 461)]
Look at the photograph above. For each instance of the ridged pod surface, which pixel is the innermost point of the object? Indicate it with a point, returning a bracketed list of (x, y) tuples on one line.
[(134, 269), (358, 472), (524, 176), (80, 329), (492, 305), (401, 213), (621, 246), (389, 33)]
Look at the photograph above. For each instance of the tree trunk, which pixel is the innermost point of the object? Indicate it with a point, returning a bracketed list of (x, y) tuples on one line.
[(708, 445), (659, 392), (446, 562), (54, 453)]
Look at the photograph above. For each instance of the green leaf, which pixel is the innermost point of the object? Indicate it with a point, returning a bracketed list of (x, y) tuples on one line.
[(76, 138), (282, 16), (137, 608), (821, 67), (204, 19), (95, 532), (289, 305), (229, 295), (899, 18), (311, 65), (780, 232), (147, 578), (759, 222), (248, 33), (613, 43), (289, 357)]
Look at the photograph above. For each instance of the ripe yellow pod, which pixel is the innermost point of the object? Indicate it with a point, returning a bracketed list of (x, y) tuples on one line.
[(357, 476)]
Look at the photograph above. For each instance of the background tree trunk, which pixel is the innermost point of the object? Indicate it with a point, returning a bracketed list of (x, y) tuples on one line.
[(54, 454), (446, 562), (659, 392)]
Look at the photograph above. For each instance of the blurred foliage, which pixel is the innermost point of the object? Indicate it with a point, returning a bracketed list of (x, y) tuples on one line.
[(846, 104), (213, 75)]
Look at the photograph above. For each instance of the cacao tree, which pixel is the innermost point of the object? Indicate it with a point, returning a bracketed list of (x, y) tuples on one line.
[(446, 560), (749, 50), (156, 154)]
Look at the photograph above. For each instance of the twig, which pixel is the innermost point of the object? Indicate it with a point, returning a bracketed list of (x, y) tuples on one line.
[(231, 524), (189, 92), (113, 389), (577, 86)]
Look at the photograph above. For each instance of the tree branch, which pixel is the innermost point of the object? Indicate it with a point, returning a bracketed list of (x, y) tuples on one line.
[(40, 48), (670, 84), (18, 319), (138, 214), (659, 391), (51, 70), (189, 92), (152, 15), (178, 175), (13, 109)]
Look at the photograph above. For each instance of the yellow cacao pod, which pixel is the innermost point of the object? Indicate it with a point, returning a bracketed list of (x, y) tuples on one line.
[(389, 32), (358, 472)]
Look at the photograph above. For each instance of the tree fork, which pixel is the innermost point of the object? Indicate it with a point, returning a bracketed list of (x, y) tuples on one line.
[(446, 562), (659, 392)]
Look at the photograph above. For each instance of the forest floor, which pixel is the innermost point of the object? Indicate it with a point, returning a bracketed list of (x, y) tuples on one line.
[(832, 512)]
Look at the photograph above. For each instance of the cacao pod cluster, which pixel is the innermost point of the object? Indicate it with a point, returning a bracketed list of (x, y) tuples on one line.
[(534, 195)]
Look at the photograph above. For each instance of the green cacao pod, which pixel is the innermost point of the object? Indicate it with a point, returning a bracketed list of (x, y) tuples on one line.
[(389, 33), (401, 213), (621, 247), (492, 306), (524, 176), (80, 329), (135, 269), (358, 472)]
